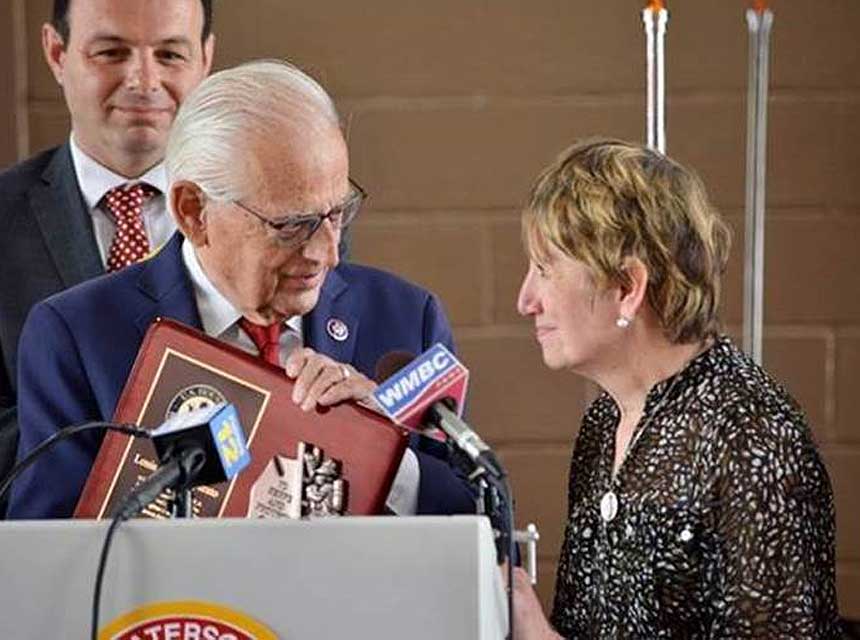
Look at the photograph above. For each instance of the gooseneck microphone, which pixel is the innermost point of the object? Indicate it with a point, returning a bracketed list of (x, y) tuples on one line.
[(441, 415), (428, 392), (178, 474), (206, 446)]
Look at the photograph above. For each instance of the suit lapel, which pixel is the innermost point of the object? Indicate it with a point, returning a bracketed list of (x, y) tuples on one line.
[(331, 327), (64, 221), (166, 286)]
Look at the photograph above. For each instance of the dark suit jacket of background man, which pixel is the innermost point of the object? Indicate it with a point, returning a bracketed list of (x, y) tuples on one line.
[(47, 244), (78, 347)]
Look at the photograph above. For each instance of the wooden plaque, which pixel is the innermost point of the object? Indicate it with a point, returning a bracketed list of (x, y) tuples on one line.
[(179, 368)]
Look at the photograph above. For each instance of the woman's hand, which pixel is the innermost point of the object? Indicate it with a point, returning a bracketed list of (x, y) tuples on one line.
[(530, 623)]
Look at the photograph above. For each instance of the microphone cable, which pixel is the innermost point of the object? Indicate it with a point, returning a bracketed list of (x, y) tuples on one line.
[(498, 506), (45, 446), (97, 595), (62, 434), (179, 474)]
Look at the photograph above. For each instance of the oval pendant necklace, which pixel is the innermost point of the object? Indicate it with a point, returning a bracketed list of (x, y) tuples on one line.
[(609, 501), (609, 506)]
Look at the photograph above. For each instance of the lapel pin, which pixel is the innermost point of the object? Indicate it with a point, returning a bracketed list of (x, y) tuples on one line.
[(337, 329)]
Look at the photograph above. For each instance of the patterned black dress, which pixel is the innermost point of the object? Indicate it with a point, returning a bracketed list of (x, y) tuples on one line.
[(725, 520)]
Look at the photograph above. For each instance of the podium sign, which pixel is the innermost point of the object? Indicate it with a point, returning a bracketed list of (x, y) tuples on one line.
[(335, 461), (385, 578)]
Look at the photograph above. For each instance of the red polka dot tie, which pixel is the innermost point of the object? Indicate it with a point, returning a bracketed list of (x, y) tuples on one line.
[(125, 204), (267, 339)]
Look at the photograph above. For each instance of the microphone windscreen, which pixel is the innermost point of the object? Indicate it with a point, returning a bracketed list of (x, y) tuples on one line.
[(216, 431), (405, 395), (391, 363)]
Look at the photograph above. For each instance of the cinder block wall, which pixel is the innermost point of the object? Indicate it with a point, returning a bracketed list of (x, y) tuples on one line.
[(453, 107)]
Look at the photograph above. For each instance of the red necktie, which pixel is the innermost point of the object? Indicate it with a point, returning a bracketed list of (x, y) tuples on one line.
[(267, 339), (125, 204)]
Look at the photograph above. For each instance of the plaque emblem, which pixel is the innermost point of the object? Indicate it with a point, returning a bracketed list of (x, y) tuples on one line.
[(307, 486), (337, 329), (197, 396)]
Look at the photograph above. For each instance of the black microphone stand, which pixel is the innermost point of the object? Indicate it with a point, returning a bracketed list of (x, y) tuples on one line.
[(178, 474), (183, 504), (494, 500), (491, 503)]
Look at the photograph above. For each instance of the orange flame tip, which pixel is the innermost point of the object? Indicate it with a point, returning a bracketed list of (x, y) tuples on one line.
[(759, 6), (655, 5)]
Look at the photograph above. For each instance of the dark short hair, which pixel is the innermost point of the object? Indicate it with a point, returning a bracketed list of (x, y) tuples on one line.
[(60, 18)]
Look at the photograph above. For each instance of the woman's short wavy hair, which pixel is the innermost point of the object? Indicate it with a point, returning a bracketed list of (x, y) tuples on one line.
[(605, 200)]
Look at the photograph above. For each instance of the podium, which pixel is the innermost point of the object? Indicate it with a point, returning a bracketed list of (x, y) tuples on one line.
[(358, 577)]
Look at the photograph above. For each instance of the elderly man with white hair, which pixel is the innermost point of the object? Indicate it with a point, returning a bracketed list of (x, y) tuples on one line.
[(259, 186)]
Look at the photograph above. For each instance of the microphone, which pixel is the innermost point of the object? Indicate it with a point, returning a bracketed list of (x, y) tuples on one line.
[(429, 391), (465, 438), (206, 446), (391, 363), (178, 473), (435, 374)]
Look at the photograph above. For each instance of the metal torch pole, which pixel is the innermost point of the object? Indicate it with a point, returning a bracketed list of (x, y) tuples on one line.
[(655, 18), (759, 21)]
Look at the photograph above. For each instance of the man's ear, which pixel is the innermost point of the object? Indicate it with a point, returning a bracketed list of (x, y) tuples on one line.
[(54, 49), (188, 204), (208, 53), (631, 293)]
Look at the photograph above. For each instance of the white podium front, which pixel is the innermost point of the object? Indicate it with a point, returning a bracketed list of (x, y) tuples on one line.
[(385, 577)]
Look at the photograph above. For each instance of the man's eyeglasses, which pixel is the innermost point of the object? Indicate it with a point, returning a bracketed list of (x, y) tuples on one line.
[(298, 229)]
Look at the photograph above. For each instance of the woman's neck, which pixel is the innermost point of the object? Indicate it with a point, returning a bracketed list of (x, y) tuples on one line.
[(644, 360)]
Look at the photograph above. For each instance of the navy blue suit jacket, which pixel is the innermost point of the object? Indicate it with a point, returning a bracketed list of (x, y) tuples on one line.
[(77, 349)]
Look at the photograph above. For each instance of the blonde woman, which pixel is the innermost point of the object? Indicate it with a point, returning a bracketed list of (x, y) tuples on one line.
[(698, 504)]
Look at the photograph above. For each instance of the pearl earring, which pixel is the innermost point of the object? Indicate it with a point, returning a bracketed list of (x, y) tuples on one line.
[(622, 322)]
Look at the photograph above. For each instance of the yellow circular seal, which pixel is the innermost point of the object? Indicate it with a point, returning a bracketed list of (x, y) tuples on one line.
[(185, 620)]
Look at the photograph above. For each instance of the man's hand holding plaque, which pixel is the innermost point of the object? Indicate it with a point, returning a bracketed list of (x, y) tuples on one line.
[(318, 379)]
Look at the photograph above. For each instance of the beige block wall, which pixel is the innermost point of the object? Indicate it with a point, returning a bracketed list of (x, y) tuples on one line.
[(453, 107)]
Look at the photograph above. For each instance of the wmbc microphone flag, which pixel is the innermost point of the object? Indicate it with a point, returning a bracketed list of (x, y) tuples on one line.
[(434, 375)]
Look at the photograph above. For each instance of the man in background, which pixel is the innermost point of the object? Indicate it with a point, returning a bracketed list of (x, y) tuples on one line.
[(96, 203)]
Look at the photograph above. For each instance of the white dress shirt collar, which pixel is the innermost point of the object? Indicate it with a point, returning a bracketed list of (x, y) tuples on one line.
[(217, 314), (95, 180)]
